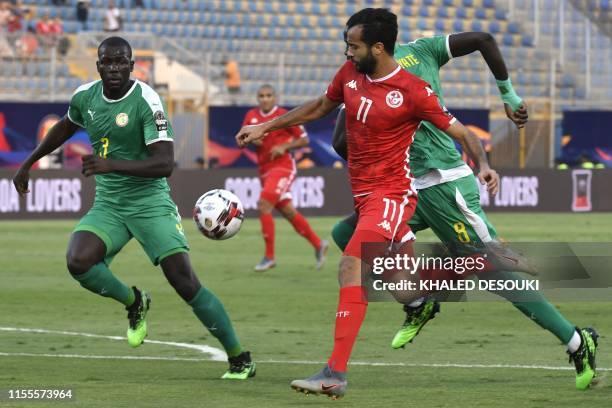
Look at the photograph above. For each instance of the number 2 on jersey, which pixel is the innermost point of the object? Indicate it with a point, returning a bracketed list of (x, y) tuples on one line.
[(104, 151), (364, 101)]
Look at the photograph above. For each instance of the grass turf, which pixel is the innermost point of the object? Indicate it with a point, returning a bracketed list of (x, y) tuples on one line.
[(284, 315)]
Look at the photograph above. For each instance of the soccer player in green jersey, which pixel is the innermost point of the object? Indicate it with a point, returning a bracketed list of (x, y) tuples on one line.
[(132, 142), (449, 199)]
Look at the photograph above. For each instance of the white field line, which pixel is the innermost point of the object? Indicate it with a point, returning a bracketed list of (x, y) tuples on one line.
[(215, 353), (218, 355)]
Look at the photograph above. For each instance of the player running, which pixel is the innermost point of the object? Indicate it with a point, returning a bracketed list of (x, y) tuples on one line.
[(133, 145), (385, 106), (449, 200), (277, 171)]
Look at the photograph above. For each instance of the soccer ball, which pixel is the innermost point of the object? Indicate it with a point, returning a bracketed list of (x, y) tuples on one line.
[(218, 214)]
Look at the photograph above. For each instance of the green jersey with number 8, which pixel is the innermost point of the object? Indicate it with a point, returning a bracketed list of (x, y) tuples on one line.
[(121, 129)]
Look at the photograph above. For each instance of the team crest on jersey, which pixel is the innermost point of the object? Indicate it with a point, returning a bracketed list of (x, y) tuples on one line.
[(352, 84), (395, 99), (122, 119)]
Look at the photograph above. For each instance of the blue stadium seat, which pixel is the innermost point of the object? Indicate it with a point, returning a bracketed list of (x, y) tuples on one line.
[(527, 40), (458, 25), (442, 12), (424, 12), (500, 14), (488, 3), (476, 25), (468, 3), (461, 12), (508, 39), (439, 26), (567, 80), (513, 28), (494, 27)]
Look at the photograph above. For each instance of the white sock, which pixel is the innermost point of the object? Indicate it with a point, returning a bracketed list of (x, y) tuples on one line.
[(574, 343), (417, 303)]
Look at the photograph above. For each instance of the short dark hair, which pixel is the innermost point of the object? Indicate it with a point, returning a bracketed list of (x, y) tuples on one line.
[(266, 86), (379, 25), (115, 42)]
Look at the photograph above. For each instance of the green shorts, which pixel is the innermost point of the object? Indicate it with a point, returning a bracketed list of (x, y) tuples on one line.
[(452, 210), (156, 227)]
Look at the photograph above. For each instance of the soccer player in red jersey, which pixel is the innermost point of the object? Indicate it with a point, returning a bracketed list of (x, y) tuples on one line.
[(384, 107), (277, 171)]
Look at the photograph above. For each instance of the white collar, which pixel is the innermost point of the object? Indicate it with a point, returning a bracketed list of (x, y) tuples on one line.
[(123, 97), (269, 113), (395, 71)]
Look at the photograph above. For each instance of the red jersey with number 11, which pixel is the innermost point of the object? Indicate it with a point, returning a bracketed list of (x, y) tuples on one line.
[(382, 116)]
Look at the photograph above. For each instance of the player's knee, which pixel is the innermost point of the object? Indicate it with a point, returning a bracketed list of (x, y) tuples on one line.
[(185, 283), (288, 211), (264, 206), (78, 263)]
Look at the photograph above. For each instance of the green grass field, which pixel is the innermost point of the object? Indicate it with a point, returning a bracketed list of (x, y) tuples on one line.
[(285, 317)]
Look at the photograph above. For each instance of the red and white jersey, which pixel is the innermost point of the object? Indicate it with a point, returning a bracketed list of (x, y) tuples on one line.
[(382, 116), (285, 162)]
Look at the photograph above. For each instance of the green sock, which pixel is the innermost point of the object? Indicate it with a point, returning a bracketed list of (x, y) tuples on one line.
[(209, 309), (342, 233), (535, 306), (100, 280)]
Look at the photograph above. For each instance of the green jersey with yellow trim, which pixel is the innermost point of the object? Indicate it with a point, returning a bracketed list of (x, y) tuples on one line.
[(431, 148), (121, 129)]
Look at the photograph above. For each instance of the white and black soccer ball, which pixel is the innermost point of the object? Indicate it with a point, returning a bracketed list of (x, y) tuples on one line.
[(218, 214)]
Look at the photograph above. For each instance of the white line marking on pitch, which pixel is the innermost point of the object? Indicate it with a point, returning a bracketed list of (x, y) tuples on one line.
[(215, 353), (218, 355)]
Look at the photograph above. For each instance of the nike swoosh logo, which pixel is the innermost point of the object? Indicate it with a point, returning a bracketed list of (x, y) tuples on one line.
[(328, 387)]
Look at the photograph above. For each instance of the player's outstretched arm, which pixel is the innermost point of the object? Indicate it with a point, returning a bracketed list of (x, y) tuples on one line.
[(471, 144), (283, 148), (160, 163), (339, 135), (57, 135), (466, 43), (305, 113)]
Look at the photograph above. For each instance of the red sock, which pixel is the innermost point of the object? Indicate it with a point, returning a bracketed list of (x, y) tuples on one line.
[(267, 229), (303, 228), (352, 307)]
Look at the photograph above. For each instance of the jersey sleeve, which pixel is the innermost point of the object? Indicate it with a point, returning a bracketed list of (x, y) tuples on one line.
[(436, 48), (297, 132), (427, 107), (75, 109), (334, 90), (155, 124)]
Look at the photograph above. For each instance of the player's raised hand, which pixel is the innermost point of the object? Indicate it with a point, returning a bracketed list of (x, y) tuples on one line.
[(519, 116), (21, 180), (489, 177), (94, 165), (250, 134)]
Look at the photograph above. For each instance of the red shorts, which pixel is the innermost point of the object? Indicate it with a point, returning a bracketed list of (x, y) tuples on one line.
[(383, 217), (276, 185)]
